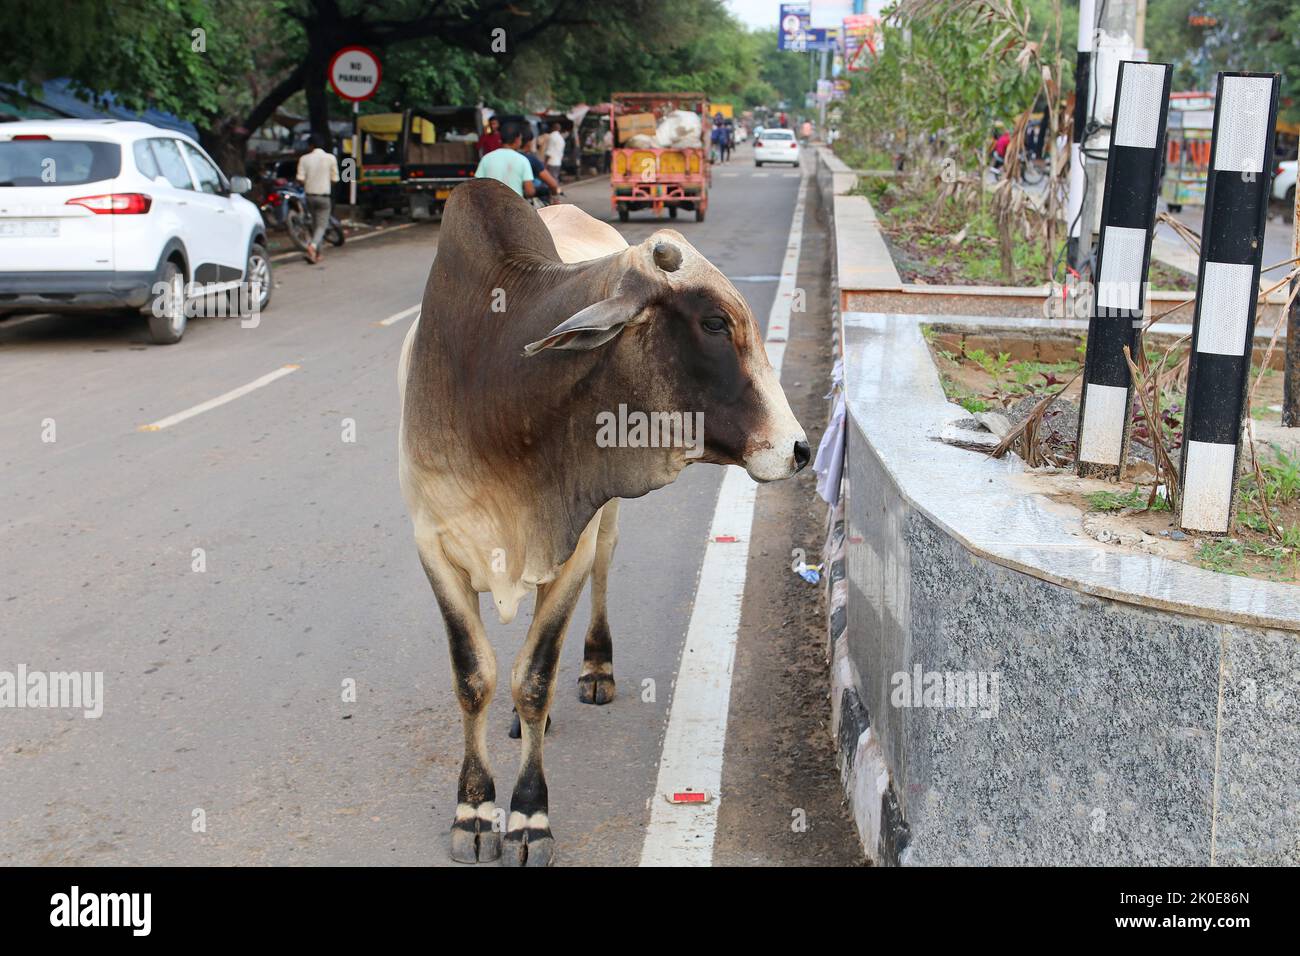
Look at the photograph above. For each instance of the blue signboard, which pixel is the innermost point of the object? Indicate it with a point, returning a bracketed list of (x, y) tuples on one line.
[(796, 35), (792, 31)]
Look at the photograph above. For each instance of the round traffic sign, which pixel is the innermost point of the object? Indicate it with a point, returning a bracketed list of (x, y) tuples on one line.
[(354, 73)]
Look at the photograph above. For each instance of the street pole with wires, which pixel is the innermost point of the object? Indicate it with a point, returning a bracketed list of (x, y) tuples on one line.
[(1112, 40), (1291, 377), (1082, 82)]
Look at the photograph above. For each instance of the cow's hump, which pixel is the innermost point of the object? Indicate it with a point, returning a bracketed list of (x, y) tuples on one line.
[(486, 221), (578, 236)]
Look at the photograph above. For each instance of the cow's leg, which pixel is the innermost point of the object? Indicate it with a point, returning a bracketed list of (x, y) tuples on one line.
[(596, 680), (474, 671), (532, 680)]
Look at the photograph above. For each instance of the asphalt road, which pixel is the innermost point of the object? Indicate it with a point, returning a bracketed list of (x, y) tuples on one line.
[(1278, 237), (224, 688)]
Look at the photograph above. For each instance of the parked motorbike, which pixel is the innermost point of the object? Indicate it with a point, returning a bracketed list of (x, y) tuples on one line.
[(285, 207)]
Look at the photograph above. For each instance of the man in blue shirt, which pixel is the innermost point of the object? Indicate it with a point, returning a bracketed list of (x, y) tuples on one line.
[(545, 185), (507, 164)]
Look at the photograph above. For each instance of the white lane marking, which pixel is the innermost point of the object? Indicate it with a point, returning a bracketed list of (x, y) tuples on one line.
[(728, 174), (682, 834), (404, 314), (759, 175), (220, 400)]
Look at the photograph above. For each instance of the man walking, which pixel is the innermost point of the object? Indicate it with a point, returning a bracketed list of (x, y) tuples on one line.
[(553, 149), (508, 164), (318, 171)]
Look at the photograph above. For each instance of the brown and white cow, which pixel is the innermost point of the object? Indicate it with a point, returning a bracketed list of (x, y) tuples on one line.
[(526, 337)]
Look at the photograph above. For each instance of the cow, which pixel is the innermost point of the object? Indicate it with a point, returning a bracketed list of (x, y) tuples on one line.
[(526, 338)]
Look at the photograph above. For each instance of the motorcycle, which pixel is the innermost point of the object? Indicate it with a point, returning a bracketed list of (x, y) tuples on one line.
[(285, 207)]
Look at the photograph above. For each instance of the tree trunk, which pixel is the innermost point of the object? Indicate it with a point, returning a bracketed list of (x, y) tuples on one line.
[(227, 148), (317, 102)]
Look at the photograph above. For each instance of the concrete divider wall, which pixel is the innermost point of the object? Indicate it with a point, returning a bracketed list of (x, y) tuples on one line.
[(1006, 691)]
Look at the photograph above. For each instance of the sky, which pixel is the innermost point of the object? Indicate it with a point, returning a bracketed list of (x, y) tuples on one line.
[(755, 13), (765, 13)]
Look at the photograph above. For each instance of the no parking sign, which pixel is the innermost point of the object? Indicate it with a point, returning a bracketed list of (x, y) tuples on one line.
[(354, 73)]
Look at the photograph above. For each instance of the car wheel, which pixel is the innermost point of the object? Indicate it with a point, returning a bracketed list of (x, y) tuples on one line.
[(1175, 207), (1288, 208), (672, 212), (758, 162), (256, 270), (699, 213), (167, 328), (623, 213)]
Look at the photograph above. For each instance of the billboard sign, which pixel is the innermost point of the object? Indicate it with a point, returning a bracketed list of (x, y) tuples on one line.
[(862, 40), (793, 31)]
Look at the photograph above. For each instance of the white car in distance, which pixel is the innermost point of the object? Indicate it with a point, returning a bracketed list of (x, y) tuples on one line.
[(776, 146), (104, 215), (1284, 177)]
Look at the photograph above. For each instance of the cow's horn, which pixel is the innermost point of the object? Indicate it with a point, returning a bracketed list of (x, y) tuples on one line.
[(667, 256)]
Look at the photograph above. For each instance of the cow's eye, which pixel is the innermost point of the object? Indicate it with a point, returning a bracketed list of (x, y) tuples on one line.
[(715, 324)]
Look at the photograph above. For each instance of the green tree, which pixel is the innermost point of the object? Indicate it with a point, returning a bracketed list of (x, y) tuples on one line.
[(785, 71), (1245, 35)]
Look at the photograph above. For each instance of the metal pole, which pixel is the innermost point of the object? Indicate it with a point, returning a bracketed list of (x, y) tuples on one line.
[(1082, 85), (1114, 42), (821, 103), (356, 152), (1291, 379)]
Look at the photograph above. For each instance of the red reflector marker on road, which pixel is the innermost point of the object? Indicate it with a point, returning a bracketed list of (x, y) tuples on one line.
[(688, 795)]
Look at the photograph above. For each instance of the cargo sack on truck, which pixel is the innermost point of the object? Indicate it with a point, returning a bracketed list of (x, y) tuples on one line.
[(680, 129)]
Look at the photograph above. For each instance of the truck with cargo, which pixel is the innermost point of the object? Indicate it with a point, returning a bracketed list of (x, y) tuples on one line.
[(411, 161), (660, 158)]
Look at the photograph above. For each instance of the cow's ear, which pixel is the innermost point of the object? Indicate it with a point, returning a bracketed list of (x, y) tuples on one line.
[(592, 327)]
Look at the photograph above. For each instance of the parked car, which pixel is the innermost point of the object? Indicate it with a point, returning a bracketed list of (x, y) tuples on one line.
[(1284, 187), (776, 146), (112, 215)]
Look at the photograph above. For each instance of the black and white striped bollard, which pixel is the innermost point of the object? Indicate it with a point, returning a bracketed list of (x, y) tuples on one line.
[(1123, 256), (1232, 244)]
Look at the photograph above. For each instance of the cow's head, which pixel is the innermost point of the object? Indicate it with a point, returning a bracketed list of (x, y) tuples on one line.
[(687, 341)]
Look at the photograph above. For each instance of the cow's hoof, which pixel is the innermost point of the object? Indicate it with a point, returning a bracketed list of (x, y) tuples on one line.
[(516, 731), (473, 839), (596, 688), (530, 843)]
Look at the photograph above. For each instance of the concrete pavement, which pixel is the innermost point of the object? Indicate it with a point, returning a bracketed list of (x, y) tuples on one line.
[(225, 688)]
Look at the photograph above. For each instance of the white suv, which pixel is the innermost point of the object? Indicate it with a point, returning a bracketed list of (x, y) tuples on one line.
[(104, 214), (1284, 187)]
